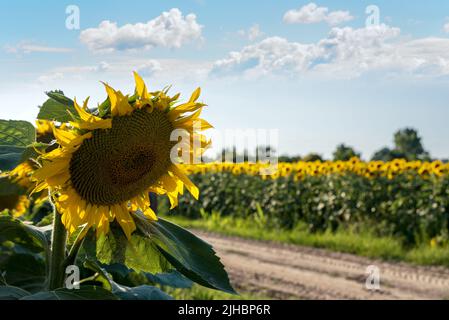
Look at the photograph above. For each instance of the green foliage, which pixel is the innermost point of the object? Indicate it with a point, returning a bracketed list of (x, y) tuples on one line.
[(386, 154), (140, 253), (142, 292), (289, 159), (16, 133), (112, 267), (191, 256), (32, 237), (24, 270), (57, 108), (12, 293), (172, 279), (9, 188), (408, 142), (312, 157), (10, 157), (362, 242), (201, 293), (410, 207), (345, 153), (407, 145), (15, 137), (84, 293)]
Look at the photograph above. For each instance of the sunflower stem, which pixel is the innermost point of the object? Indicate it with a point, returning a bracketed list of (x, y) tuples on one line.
[(73, 253), (58, 249)]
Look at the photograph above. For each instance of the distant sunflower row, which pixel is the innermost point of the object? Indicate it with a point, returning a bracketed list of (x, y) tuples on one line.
[(302, 169)]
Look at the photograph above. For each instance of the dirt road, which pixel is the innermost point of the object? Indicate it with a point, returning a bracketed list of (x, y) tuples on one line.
[(295, 272)]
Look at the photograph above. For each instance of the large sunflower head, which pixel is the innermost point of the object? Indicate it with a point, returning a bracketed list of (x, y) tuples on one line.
[(106, 166)]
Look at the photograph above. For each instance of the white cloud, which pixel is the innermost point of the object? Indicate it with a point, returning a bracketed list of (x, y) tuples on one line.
[(171, 30), (311, 13), (252, 33), (73, 71), (51, 77), (26, 47), (269, 55), (344, 53), (103, 66), (118, 70), (446, 27), (149, 67)]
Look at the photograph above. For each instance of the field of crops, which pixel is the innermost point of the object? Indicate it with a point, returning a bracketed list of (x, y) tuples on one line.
[(405, 199), (78, 191)]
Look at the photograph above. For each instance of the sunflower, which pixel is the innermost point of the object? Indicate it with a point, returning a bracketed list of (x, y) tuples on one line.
[(22, 174), (16, 204), (106, 166), (44, 131)]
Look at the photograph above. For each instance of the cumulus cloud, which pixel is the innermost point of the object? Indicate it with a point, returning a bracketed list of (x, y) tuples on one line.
[(344, 53), (269, 55), (446, 27), (171, 30), (252, 33), (149, 67), (26, 47), (311, 13)]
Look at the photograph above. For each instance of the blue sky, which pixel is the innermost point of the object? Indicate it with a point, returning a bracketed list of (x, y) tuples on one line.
[(315, 71)]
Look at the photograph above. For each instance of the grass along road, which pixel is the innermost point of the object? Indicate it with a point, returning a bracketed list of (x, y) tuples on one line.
[(361, 243), (294, 272)]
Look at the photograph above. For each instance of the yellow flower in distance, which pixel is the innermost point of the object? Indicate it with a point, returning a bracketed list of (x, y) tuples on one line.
[(106, 166), (16, 204)]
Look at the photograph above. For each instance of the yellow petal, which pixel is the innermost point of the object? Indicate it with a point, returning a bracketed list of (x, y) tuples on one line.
[(89, 121), (124, 219), (195, 95), (149, 213), (189, 184), (119, 102), (64, 137), (141, 87), (84, 115), (50, 169)]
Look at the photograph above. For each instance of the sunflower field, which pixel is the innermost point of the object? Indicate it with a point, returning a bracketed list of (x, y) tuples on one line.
[(404, 199), (77, 217), (79, 191)]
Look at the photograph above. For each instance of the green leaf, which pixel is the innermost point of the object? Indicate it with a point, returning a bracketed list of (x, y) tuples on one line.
[(83, 293), (143, 292), (139, 253), (28, 235), (104, 108), (12, 293), (10, 157), (26, 271), (16, 133), (172, 279), (190, 255), (57, 108), (60, 97), (9, 188)]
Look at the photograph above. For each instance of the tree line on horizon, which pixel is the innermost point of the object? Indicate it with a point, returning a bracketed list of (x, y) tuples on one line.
[(407, 145)]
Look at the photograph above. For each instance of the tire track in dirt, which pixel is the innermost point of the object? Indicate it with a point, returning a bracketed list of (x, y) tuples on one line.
[(294, 272)]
